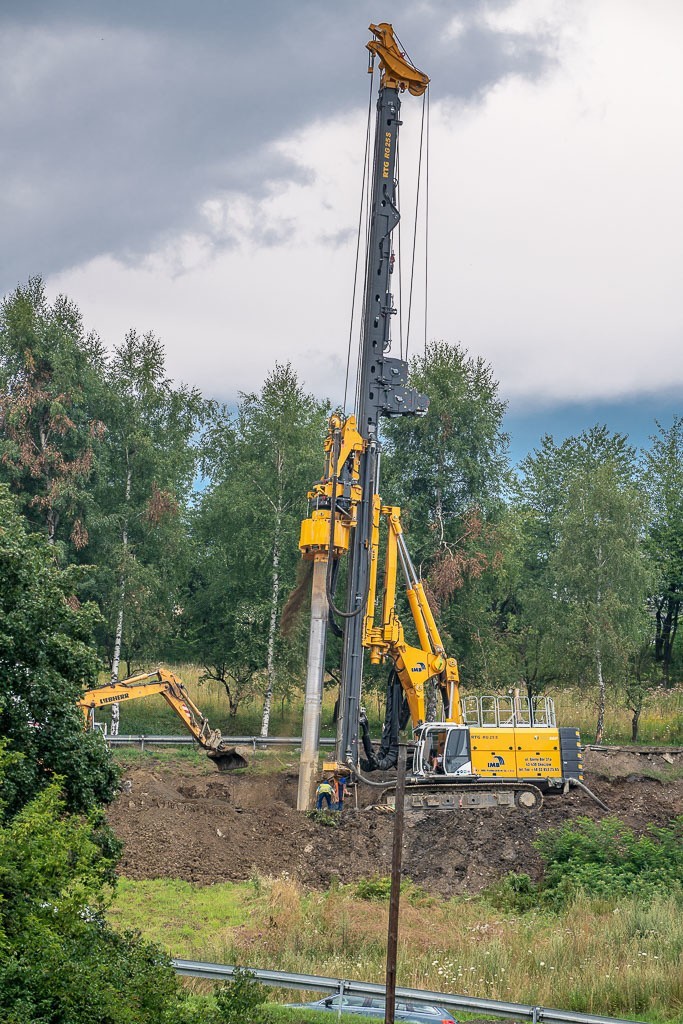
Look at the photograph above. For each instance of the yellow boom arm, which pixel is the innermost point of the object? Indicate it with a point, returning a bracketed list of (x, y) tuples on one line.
[(414, 665), (325, 534)]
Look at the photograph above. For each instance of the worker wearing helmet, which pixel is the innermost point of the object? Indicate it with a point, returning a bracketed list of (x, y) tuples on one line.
[(325, 791)]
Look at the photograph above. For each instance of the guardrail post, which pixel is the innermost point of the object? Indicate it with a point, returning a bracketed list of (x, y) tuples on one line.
[(342, 986), (142, 743)]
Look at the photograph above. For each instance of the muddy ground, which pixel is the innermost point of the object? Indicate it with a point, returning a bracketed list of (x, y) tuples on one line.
[(196, 824)]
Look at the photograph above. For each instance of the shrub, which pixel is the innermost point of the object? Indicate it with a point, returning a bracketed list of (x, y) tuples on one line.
[(58, 959), (606, 858), (377, 888), (514, 892), (241, 1000), (599, 858), (331, 819)]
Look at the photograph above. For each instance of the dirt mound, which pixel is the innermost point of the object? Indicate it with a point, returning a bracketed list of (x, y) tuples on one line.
[(194, 824)]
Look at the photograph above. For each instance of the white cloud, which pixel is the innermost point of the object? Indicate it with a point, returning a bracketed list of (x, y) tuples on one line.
[(556, 231)]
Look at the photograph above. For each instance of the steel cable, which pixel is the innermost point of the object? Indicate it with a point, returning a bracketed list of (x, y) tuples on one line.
[(358, 235), (417, 210)]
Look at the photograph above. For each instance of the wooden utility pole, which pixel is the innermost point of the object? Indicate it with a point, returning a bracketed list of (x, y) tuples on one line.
[(395, 897)]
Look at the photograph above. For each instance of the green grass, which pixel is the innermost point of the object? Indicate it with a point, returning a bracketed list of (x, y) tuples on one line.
[(175, 913), (261, 762), (661, 721), (276, 1013), (289, 1015), (150, 757), (603, 956), (152, 716)]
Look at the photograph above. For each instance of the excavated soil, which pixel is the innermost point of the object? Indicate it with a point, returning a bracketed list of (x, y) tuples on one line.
[(201, 826)]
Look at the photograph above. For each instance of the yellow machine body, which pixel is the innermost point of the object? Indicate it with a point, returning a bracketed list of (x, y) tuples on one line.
[(524, 753)]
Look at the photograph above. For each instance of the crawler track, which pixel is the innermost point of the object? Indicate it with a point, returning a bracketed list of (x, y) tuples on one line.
[(453, 796)]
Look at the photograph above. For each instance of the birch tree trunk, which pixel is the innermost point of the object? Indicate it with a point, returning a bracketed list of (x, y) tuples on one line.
[(600, 730), (635, 721), (272, 629), (116, 658)]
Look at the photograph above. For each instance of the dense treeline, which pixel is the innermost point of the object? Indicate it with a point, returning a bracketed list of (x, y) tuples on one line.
[(182, 516), (59, 959)]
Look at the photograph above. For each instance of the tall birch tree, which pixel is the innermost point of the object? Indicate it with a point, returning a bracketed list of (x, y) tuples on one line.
[(663, 478), (601, 578), (586, 572), (448, 471), (143, 487), (262, 462)]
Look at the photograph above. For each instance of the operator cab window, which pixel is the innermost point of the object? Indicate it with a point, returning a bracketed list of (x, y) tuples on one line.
[(457, 750), (428, 751)]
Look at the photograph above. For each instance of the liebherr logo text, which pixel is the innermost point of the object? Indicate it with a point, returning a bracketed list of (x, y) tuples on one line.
[(112, 700), (387, 154)]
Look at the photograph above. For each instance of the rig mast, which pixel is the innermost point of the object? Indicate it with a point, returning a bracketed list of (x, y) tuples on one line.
[(381, 390)]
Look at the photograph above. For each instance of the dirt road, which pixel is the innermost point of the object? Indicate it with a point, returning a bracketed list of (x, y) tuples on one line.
[(194, 824)]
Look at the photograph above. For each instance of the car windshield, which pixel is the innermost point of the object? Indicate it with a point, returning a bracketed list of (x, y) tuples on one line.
[(345, 1001), (374, 1006)]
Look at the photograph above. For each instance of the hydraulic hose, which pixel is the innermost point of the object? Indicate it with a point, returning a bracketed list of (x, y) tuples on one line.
[(591, 794), (395, 718), (370, 782)]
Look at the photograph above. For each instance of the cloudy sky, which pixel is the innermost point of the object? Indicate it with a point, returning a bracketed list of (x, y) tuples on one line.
[(194, 169)]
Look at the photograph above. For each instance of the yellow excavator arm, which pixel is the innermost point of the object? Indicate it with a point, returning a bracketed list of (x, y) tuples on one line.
[(174, 692)]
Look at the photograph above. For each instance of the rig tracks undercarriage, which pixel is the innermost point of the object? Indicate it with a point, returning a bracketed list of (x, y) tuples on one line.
[(428, 796)]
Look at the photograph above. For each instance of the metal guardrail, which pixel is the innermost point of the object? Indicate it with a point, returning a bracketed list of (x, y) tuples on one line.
[(172, 741), (295, 741), (634, 750), (313, 983)]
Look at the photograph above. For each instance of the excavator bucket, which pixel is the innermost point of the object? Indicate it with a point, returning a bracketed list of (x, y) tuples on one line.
[(227, 759)]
